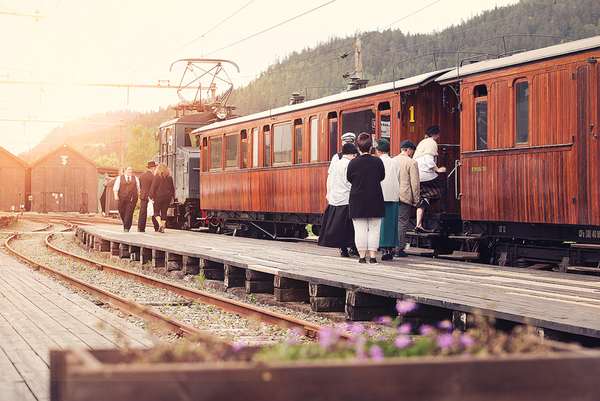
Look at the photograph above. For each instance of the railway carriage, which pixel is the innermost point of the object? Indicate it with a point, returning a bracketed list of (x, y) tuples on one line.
[(529, 143), (265, 174)]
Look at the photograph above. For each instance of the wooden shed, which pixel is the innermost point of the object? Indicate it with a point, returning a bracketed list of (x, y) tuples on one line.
[(13, 176), (64, 181)]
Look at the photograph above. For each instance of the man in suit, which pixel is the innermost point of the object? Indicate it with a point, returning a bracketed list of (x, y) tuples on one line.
[(145, 184), (409, 190), (126, 189)]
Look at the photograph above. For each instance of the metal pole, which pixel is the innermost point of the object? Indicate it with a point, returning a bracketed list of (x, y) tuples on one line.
[(121, 147)]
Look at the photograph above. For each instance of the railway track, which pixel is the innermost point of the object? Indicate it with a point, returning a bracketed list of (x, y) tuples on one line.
[(144, 311)]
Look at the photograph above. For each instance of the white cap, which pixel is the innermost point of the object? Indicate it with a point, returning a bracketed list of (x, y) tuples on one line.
[(348, 137)]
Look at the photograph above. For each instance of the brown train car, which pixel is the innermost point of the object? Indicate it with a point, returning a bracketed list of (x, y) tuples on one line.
[(13, 173), (64, 181), (266, 173), (529, 142)]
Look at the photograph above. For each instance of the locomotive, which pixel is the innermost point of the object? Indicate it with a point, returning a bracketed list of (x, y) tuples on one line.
[(519, 134)]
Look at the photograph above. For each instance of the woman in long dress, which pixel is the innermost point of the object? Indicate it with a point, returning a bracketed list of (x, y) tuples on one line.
[(162, 192)]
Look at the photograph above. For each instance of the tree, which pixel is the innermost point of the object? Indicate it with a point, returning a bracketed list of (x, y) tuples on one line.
[(107, 161), (141, 148)]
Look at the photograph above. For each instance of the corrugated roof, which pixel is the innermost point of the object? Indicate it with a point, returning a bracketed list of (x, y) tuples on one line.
[(522, 58), (402, 84)]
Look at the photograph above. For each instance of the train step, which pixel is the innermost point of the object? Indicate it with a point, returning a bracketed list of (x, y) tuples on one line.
[(420, 251), (584, 269), (460, 255)]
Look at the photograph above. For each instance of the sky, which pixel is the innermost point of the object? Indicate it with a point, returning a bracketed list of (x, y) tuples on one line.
[(136, 42)]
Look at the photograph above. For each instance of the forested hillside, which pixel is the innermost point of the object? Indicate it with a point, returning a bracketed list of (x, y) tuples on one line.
[(324, 70), (391, 54)]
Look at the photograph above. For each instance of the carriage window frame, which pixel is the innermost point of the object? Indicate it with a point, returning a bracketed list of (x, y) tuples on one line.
[(232, 151), (267, 146), (204, 150), (298, 137), (314, 139), (481, 124), (522, 107), (283, 144), (254, 147), (215, 153), (332, 123)]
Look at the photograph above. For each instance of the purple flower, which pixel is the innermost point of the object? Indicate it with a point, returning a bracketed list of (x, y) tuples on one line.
[(405, 306), (425, 330), (466, 341), (238, 345), (327, 337), (360, 347), (445, 340), (357, 328), (384, 320), (376, 353), (445, 325), (401, 341), (404, 329)]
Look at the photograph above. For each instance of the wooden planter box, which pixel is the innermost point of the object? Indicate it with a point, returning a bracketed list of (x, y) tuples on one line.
[(103, 375)]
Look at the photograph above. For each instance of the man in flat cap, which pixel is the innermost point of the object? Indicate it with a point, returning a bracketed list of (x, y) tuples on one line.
[(409, 190), (145, 184)]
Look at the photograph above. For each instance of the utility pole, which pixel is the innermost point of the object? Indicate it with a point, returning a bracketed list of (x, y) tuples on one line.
[(121, 147), (358, 69)]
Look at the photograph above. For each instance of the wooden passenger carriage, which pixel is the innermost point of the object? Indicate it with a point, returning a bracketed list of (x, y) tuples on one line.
[(530, 149), (266, 173)]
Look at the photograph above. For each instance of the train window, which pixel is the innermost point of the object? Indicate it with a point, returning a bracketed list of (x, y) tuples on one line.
[(282, 144), (480, 91), (163, 141), (255, 147), (244, 136), (187, 136), (481, 125), (383, 106), (216, 153), (522, 111), (204, 154), (267, 156), (314, 138), (298, 129), (359, 122), (333, 133), (386, 126), (232, 150)]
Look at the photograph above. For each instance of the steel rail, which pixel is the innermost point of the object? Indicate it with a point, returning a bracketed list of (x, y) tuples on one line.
[(229, 305), (141, 311)]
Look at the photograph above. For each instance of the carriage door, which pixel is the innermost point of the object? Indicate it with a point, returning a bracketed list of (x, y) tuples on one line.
[(585, 146)]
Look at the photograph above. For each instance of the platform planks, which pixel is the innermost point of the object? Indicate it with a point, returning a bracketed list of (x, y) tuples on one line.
[(551, 300), (37, 315)]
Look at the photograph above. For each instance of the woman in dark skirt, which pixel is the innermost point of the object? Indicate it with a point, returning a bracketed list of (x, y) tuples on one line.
[(162, 192), (337, 230)]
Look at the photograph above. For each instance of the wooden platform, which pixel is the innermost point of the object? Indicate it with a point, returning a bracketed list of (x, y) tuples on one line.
[(37, 315), (557, 301)]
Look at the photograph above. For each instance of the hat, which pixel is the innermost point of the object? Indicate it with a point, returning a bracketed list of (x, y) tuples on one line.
[(434, 129), (406, 144), (151, 163), (349, 149), (348, 137), (383, 145)]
